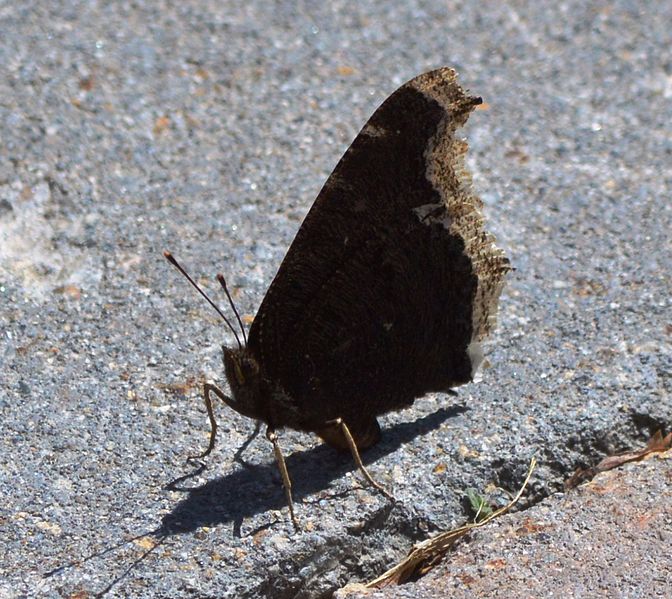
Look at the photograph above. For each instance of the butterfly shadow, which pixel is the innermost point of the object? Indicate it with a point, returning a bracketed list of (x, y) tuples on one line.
[(257, 488)]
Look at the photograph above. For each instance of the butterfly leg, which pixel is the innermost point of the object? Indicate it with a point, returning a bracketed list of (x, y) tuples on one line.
[(286, 482), (238, 455), (340, 423), (207, 389)]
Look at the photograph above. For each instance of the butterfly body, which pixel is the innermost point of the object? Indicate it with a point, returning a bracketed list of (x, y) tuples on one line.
[(374, 303), (389, 286)]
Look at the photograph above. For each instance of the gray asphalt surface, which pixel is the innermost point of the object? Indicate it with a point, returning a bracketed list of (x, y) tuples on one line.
[(609, 538), (208, 128)]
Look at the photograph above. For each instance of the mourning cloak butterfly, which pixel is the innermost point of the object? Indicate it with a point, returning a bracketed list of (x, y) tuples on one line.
[(386, 292)]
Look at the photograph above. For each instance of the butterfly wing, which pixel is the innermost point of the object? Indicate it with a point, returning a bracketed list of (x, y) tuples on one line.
[(391, 280)]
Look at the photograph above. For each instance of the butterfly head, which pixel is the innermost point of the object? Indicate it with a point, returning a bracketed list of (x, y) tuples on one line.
[(244, 376)]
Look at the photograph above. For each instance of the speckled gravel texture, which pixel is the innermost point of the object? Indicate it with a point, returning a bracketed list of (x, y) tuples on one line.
[(208, 128), (609, 538)]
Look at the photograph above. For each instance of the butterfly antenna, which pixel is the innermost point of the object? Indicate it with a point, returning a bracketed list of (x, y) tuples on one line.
[(222, 282), (177, 265)]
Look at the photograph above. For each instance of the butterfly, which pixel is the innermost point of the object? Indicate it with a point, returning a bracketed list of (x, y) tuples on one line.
[(388, 289)]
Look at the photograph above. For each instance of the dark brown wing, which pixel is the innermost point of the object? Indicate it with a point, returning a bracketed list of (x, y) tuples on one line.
[(391, 276)]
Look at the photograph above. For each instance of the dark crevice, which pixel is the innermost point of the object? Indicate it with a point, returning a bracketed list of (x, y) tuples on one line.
[(646, 425)]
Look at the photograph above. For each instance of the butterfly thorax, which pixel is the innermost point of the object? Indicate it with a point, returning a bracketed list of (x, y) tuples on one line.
[(254, 395)]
